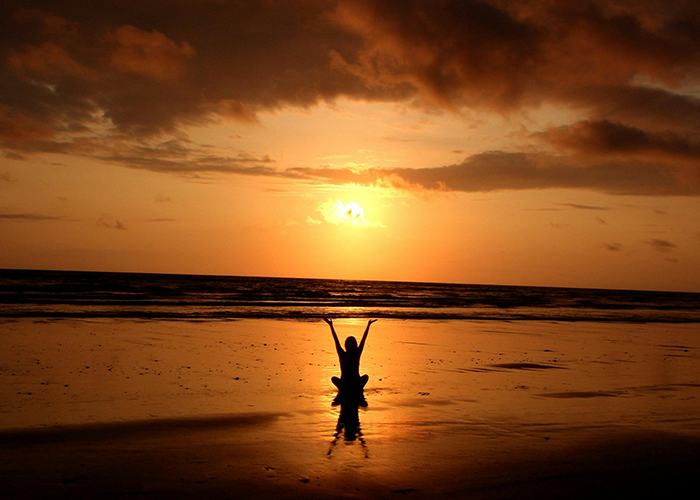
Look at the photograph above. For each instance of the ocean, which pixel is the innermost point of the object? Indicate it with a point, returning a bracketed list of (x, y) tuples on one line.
[(68, 294)]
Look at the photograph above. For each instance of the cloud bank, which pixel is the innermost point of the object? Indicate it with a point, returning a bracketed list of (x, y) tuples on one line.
[(120, 80), (497, 171), (30, 217)]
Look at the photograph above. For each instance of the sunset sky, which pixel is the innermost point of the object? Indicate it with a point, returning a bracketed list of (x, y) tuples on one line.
[(508, 142)]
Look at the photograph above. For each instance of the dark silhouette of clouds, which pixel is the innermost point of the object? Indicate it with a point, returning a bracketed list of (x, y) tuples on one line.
[(31, 217), (661, 245), (108, 221), (117, 80), (160, 198), (496, 171), (610, 138), (583, 207), (172, 155)]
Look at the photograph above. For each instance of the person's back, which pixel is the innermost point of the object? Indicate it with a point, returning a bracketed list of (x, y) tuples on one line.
[(350, 360)]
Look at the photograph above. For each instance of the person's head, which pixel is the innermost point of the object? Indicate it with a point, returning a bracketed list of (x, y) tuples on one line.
[(350, 344)]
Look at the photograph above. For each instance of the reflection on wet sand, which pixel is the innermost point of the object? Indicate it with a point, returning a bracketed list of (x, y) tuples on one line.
[(201, 410), (349, 421)]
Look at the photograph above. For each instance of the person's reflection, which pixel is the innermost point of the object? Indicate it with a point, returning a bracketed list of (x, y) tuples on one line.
[(349, 421)]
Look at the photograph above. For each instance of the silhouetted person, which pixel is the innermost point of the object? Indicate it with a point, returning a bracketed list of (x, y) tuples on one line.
[(350, 380)]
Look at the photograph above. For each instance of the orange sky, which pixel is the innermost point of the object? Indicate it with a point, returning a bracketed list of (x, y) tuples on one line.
[(539, 143)]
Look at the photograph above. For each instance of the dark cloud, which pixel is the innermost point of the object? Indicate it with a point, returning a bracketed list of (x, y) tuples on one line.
[(14, 156), (613, 247), (31, 217), (503, 55), (172, 155), (235, 110), (148, 70), (497, 171), (646, 107), (462, 52), (615, 139), (16, 128), (106, 80), (192, 161), (108, 221), (160, 198), (583, 207), (661, 245), (548, 209)]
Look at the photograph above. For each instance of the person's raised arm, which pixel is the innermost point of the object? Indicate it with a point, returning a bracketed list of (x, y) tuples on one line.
[(364, 337), (335, 337)]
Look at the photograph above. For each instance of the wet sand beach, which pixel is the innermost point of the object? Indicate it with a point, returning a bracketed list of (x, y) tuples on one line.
[(240, 409)]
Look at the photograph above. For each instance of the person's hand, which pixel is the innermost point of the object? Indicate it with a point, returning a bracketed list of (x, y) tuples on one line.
[(329, 321), (371, 321)]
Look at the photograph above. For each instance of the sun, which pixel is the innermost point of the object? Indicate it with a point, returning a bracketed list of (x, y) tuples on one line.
[(351, 211), (337, 212)]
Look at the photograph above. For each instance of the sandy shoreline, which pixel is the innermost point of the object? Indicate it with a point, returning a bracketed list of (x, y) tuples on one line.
[(187, 462), (243, 409)]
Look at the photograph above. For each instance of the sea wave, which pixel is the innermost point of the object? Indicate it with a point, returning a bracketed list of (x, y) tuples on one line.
[(59, 294)]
